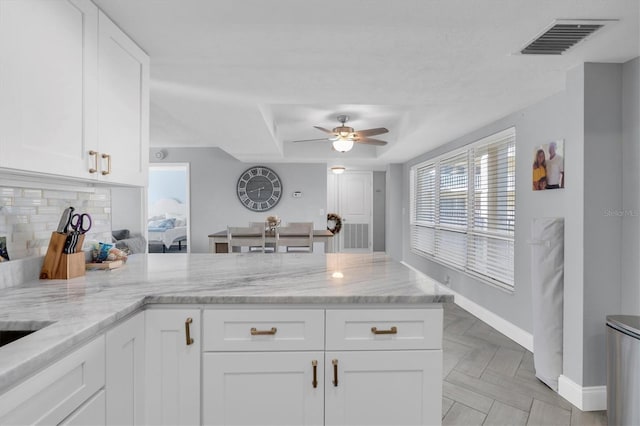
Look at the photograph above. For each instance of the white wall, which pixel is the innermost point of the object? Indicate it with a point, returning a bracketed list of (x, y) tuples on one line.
[(394, 226), (630, 281), (601, 204), (602, 208), (378, 219), (128, 209), (215, 205)]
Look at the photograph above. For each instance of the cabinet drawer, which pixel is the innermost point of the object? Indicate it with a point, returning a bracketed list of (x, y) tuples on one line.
[(384, 329), (54, 393), (263, 330)]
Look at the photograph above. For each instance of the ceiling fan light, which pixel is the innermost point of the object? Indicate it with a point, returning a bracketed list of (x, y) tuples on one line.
[(338, 170), (343, 145)]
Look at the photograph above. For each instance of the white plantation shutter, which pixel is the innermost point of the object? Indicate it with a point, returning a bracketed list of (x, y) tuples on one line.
[(463, 208)]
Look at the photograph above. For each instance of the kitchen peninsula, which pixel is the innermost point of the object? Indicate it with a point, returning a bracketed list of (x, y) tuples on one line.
[(329, 337)]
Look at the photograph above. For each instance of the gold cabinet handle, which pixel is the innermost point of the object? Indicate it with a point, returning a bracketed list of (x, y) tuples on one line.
[(108, 157), (314, 363), (392, 330), (187, 330), (256, 332), (335, 372), (94, 154)]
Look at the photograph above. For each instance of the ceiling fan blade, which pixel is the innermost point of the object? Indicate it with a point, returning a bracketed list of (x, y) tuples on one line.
[(371, 132), (311, 140), (370, 141), (324, 130)]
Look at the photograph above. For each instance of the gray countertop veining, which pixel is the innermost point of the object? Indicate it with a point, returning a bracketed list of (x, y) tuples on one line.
[(83, 307)]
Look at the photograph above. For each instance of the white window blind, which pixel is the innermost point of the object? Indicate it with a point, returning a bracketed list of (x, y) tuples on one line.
[(423, 210), (451, 244), (463, 208)]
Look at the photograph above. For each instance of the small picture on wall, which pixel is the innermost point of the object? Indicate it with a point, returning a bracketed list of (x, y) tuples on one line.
[(548, 166)]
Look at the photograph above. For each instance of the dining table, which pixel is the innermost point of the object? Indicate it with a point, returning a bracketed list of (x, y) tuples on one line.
[(218, 241)]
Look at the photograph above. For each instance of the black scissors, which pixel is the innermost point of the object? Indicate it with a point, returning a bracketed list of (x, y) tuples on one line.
[(80, 224)]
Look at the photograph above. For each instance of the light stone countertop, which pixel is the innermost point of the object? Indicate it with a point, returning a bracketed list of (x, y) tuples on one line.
[(81, 308)]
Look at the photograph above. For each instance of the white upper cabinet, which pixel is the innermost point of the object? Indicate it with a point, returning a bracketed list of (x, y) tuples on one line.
[(123, 106), (74, 93), (48, 81)]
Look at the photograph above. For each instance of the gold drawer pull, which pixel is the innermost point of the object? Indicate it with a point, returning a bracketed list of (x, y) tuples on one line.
[(335, 372), (94, 154), (255, 332), (314, 363), (187, 331), (392, 330), (108, 157)]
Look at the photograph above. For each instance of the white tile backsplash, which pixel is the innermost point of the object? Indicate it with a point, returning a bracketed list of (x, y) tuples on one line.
[(28, 216)]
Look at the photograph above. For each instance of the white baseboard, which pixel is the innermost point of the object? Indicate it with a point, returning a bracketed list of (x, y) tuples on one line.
[(510, 330), (591, 398), (515, 333)]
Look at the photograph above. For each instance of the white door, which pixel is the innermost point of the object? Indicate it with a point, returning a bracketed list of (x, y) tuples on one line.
[(125, 372), (123, 106), (263, 388), (48, 68), (354, 206), (173, 366), (383, 388)]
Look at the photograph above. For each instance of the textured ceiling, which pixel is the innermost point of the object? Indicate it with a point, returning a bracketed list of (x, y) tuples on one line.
[(251, 76)]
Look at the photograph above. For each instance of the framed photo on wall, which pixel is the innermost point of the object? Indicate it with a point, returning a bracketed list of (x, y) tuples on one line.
[(548, 166)]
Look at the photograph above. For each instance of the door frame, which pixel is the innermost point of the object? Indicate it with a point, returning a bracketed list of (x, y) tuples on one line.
[(175, 166)]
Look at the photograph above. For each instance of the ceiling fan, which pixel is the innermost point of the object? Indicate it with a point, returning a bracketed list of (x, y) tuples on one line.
[(343, 137)]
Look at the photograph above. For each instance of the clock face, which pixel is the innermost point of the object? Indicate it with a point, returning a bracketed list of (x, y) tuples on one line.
[(259, 188)]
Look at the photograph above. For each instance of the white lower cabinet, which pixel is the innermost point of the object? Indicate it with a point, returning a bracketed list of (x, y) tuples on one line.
[(173, 366), (125, 364), (92, 412), (383, 388), (263, 388), (53, 394), (367, 367)]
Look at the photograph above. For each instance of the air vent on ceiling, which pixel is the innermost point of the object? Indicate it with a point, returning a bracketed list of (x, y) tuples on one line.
[(561, 36)]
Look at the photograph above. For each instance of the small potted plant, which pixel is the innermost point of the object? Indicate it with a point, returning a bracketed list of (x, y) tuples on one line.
[(273, 222)]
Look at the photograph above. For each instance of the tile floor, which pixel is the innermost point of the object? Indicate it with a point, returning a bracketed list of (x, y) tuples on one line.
[(490, 380)]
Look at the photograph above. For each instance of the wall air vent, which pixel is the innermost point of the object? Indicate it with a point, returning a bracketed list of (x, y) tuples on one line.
[(562, 35)]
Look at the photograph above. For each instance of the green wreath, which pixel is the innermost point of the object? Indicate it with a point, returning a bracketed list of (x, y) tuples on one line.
[(337, 220)]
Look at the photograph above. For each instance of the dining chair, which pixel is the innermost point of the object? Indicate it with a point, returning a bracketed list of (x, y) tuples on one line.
[(267, 246), (296, 236), (250, 237)]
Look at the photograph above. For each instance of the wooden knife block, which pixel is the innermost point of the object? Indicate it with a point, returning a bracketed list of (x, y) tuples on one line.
[(60, 266)]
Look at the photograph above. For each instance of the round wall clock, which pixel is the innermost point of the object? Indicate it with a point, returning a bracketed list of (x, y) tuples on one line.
[(259, 188)]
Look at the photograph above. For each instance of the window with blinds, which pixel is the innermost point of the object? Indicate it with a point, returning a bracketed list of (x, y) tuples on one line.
[(463, 208)]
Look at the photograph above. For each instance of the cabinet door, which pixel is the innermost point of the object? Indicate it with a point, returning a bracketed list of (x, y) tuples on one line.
[(262, 388), (90, 413), (123, 106), (125, 372), (383, 388), (48, 96), (173, 367), (57, 391)]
